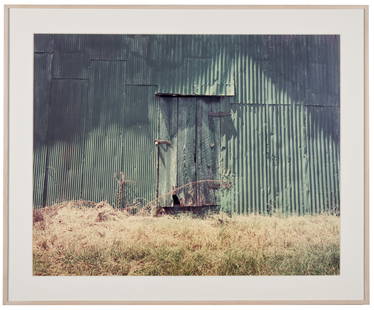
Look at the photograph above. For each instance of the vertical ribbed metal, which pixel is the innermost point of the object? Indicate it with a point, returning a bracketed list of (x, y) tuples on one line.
[(281, 160), (42, 93), (44, 43), (104, 129), (280, 146), (139, 153), (65, 137), (70, 65)]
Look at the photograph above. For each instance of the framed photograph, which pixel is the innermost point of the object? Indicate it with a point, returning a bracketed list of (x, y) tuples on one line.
[(186, 155)]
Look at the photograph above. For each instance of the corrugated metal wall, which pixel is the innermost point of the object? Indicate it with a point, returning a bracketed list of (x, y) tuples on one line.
[(281, 160), (100, 101)]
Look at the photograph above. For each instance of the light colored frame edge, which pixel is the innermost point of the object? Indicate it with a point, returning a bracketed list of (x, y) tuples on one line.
[(6, 159), (364, 301), (366, 157)]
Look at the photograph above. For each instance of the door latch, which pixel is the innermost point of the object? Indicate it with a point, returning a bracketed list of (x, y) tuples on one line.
[(158, 141)]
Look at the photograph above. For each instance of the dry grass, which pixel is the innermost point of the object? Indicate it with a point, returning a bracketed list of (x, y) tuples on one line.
[(78, 240)]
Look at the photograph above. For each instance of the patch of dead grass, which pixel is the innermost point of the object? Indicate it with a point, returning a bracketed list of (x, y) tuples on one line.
[(95, 239)]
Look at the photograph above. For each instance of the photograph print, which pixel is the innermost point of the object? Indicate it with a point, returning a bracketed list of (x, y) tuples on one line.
[(178, 155)]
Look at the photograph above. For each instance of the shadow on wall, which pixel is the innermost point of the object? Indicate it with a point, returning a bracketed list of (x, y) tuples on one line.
[(304, 70), (266, 70)]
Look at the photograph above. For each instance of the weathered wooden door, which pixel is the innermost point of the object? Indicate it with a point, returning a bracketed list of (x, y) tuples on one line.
[(190, 161)]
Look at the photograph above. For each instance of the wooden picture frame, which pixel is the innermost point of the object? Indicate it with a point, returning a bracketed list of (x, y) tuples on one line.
[(14, 292)]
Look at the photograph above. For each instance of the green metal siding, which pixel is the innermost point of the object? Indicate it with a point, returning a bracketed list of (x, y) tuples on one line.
[(281, 160), (64, 140), (139, 154), (42, 93), (70, 65), (104, 129), (97, 112), (199, 77)]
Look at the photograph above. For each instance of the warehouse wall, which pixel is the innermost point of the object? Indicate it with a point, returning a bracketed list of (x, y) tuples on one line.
[(100, 101)]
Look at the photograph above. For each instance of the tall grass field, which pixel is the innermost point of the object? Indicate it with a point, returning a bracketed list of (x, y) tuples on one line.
[(73, 239)]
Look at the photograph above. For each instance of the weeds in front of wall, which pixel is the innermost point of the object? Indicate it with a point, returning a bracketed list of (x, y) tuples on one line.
[(121, 187), (123, 194), (219, 192), (102, 240), (333, 206)]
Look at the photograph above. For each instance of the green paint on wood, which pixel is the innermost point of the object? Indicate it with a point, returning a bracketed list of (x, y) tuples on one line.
[(168, 154), (186, 154)]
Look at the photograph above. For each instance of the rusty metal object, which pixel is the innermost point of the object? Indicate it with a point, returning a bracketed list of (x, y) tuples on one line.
[(197, 210), (219, 114), (158, 141), (198, 198)]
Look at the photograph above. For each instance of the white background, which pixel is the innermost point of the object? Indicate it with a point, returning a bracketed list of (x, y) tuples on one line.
[(191, 2)]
